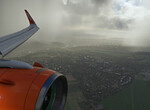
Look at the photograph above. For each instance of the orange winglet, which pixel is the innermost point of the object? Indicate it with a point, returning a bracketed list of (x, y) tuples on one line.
[(31, 21)]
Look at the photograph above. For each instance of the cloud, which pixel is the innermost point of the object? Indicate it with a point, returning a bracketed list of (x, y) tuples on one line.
[(138, 34), (56, 19), (101, 2), (94, 13)]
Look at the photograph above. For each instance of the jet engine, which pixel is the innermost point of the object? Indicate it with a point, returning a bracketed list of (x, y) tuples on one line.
[(26, 87)]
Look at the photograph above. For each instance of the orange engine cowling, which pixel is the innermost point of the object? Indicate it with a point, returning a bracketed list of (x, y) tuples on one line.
[(36, 88)]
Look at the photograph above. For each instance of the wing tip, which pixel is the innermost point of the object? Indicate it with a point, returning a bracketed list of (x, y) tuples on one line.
[(31, 21)]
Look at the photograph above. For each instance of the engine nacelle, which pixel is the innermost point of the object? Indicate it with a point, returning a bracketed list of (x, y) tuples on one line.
[(32, 89)]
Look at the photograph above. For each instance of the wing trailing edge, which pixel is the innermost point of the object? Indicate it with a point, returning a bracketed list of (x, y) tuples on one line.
[(12, 41)]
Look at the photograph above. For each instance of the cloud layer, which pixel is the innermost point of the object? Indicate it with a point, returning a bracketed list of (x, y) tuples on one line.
[(126, 19)]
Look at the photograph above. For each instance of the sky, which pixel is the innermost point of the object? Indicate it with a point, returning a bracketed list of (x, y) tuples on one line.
[(62, 20)]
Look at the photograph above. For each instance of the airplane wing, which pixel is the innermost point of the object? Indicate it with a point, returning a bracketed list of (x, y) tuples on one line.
[(12, 41)]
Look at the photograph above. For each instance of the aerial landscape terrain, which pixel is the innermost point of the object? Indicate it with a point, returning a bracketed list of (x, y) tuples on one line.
[(102, 77), (101, 46)]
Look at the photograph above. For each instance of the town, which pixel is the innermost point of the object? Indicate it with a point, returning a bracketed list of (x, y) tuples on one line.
[(99, 73)]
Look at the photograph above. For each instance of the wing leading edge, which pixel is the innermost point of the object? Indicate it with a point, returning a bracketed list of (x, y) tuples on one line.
[(12, 41)]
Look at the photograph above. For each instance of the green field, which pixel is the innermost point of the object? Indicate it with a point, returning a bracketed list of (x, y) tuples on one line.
[(134, 97), (75, 96)]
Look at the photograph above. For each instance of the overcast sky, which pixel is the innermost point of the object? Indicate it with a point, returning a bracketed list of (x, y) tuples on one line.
[(61, 20)]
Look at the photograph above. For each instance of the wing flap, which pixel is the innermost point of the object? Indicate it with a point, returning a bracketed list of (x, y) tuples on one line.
[(12, 41)]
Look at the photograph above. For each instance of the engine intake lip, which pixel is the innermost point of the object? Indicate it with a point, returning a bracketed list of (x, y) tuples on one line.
[(61, 87)]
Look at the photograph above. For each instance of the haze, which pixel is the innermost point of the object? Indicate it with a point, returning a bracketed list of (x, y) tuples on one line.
[(88, 21)]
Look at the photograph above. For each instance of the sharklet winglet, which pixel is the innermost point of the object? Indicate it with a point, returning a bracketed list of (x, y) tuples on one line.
[(31, 21)]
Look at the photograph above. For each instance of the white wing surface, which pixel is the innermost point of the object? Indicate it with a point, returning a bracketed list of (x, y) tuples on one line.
[(12, 41)]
